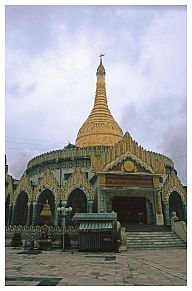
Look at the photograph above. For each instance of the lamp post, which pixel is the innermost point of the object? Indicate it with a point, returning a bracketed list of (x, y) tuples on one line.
[(63, 211)]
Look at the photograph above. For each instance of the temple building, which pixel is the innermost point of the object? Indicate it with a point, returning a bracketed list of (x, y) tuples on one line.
[(106, 170)]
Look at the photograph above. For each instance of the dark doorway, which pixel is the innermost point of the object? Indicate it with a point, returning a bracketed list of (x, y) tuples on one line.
[(130, 209), (21, 209), (46, 195), (78, 201), (176, 204)]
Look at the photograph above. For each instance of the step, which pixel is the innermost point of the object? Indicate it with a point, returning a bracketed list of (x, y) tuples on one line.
[(153, 240), (145, 236), (155, 247), (155, 243), (146, 228), (151, 233)]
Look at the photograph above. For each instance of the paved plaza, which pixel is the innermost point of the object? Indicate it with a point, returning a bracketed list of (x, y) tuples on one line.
[(131, 268)]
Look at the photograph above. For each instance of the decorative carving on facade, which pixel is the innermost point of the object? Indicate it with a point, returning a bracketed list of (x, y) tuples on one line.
[(129, 166), (125, 193), (102, 180), (123, 158), (153, 161), (47, 181), (77, 180), (10, 190), (171, 184), (156, 181), (24, 185), (60, 156)]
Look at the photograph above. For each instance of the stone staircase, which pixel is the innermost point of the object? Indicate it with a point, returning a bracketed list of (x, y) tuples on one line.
[(153, 238)]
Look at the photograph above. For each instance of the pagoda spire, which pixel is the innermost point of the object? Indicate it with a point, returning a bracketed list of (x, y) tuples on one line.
[(101, 55), (100, 128)]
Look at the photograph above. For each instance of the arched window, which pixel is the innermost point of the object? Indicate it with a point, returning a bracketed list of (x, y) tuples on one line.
[(176, 204), (78, 201)]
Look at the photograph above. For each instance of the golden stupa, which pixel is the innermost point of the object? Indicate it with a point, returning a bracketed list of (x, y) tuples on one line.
[(46, 211), (100, 128)]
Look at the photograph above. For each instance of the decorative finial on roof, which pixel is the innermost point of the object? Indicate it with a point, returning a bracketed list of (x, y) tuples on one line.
[(101, 55)]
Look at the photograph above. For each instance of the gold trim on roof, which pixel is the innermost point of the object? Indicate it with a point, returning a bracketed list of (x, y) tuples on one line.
[(153, 162)]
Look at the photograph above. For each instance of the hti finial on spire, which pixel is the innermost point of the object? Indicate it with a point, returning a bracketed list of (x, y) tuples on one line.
[(101, 55)]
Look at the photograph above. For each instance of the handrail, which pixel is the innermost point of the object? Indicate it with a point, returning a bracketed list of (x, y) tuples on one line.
[(180, 228)]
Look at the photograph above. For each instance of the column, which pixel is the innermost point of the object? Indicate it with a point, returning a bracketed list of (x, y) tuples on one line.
[(109, 205), (12, 214), (6, 214), (28, 212), (185, 212), (34, 213), (100, 201), (166, 211), (159, 214), (90, 206), (56, 213)]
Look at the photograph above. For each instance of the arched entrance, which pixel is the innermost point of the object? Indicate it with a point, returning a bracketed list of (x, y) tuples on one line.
[(78, 201), (130, 210), (176, 204), (46, 195), (7, 202), (21, 209)]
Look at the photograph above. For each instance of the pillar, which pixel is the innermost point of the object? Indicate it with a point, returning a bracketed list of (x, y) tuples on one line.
[(9, 216), (34, 213), (56, 213), (6, 214), (12, 214), (166, 212), (185, 212), (159, 214), (109, 205), (101, 202), (28, 212), (90, 206)]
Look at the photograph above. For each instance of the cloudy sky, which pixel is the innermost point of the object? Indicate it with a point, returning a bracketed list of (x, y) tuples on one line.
[(51, 60)]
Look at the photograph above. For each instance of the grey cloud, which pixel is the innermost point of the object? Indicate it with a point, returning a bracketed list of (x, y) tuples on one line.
[(160, 126), (16, 90), (17, 167), (52, 55), (174, 145)]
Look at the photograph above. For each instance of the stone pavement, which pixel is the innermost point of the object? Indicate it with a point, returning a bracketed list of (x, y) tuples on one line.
[(131, 268)]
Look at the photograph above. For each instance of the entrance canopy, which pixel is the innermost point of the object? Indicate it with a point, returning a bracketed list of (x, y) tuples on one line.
[(96, 221), (95, 216), (95, 226)]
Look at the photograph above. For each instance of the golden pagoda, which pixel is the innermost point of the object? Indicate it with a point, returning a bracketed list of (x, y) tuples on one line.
[(46, 211), (100, 128), (106, 171), (46, 215)]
